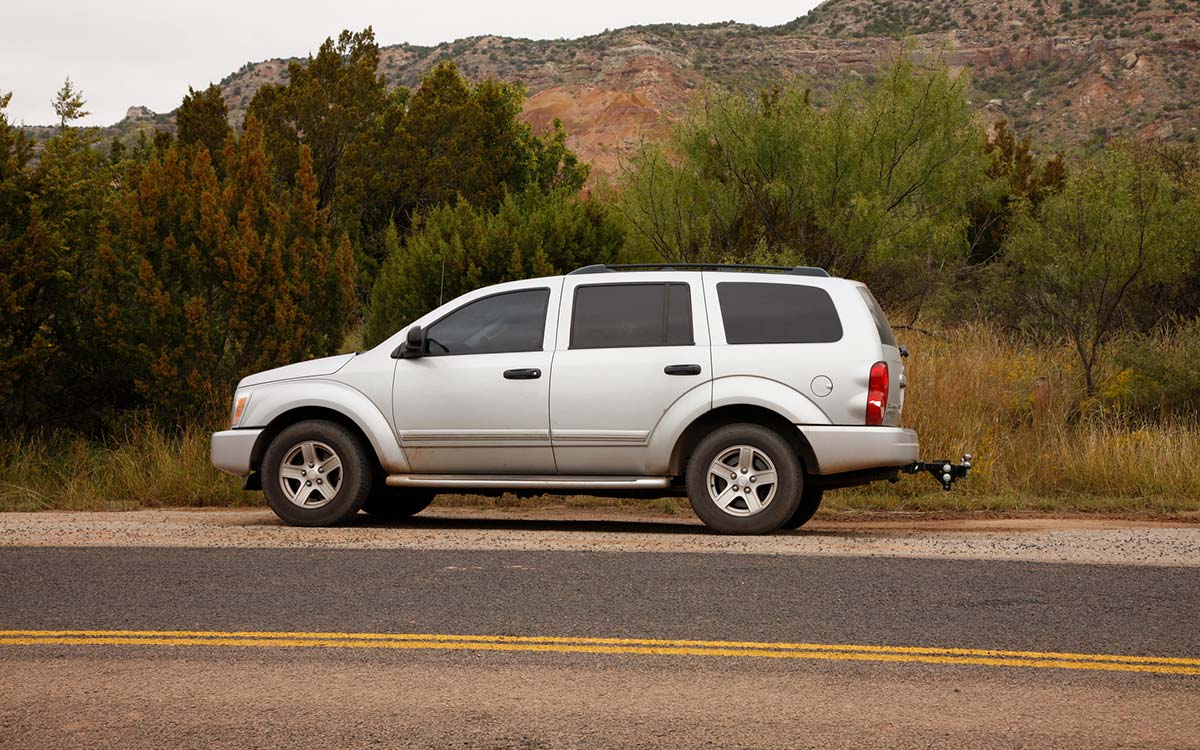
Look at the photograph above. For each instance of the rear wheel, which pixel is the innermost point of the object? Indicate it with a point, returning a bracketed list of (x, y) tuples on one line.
[(744, 479), (395, 503), (316, 473), (810, 500)]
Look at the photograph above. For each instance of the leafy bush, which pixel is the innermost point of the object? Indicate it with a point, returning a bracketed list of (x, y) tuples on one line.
[(1159, 372), (203, 280), (1121, 223), (457, 248), (883, 172)]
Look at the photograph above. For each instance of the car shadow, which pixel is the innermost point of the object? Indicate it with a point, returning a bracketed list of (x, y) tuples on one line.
[(683, 526), (493, 523)]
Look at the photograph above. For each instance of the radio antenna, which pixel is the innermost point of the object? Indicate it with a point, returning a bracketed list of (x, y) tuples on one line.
[(442, 282)]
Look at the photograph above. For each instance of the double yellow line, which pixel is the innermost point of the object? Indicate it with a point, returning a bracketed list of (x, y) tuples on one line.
[(570, 645)]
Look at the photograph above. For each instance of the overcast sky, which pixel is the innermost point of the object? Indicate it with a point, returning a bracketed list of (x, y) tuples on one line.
[(137, 52)]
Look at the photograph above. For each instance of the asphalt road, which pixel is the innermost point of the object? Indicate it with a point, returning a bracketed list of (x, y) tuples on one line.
[(127, 647)]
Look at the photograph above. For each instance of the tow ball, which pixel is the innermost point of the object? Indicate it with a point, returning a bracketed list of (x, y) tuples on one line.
[(942, 470)]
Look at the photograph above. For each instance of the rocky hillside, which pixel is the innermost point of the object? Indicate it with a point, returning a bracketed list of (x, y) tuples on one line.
[(1068, 73)]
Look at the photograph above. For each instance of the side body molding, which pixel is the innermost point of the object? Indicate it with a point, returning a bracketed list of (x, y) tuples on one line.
[(271, 401)]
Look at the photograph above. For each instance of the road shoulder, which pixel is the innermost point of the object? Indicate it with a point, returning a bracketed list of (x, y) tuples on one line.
[(1087, 540)]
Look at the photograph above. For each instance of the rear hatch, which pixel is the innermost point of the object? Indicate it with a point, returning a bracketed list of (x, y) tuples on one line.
[(890, 353)]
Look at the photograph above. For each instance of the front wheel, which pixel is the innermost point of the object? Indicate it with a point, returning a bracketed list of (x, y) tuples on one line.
[(744, 479), (316, 473)]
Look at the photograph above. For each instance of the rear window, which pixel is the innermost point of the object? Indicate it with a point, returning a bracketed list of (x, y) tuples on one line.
[(623, 315), (886, 337), (765, 313)]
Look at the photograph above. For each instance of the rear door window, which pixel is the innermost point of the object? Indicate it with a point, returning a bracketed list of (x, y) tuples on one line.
[(624, 315), (766, 313)]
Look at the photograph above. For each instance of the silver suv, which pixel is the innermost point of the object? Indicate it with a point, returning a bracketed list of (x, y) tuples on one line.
[(751, 390)]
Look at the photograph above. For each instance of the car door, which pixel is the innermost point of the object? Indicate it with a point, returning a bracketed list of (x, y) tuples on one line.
[(628, 348), (478, 401)]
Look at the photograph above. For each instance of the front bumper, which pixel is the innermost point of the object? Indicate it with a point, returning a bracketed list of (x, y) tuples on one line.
[(232, 449), (839, 448)]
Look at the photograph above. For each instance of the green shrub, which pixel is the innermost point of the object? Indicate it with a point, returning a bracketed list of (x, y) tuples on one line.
[(1159, 372), (202, 280), (457, 248)]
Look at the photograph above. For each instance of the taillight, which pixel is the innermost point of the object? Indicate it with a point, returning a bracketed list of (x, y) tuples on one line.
[(877, 393)]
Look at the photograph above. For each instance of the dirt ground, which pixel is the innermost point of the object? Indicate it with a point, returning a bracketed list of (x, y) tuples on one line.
[(1083, 539)]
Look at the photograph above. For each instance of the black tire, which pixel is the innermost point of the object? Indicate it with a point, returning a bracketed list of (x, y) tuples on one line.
[(353, 482), (780, 504), (396, 503), (810, 500)]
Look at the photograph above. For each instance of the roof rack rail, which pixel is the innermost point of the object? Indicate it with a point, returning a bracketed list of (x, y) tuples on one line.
[(603, 268)]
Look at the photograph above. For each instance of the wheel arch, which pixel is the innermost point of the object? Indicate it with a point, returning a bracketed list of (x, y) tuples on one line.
[(304, 413), (734, 414)]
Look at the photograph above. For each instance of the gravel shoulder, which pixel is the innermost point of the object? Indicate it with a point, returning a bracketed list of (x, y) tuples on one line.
[(1088, 540)]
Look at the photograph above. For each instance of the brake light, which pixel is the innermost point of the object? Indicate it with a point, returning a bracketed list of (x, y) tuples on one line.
[(877, 393)]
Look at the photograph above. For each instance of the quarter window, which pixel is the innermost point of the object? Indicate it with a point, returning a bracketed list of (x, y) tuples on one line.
[(763, 313), (623, 315), (886, 337), (506, 322)]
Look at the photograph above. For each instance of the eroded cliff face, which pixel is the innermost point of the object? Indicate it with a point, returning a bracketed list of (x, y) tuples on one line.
[(1065, 74)]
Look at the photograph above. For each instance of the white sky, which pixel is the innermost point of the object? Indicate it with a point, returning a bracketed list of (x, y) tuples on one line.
[(137, 52)]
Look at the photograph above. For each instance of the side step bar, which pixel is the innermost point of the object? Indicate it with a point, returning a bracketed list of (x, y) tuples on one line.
[(532, 481)]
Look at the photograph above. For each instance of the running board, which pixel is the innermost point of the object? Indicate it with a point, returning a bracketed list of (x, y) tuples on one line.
[(531, 481)]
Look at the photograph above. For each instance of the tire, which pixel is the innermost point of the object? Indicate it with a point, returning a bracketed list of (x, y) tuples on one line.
[(302, 498), (396, 503), (747, 451), (810, 500)]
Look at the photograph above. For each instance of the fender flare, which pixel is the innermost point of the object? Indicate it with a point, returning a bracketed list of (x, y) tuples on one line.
[(740, 390), (746, 390), (272, 401)]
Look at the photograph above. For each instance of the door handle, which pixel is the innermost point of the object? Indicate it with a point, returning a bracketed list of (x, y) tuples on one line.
[(529, 373), (682, 369)]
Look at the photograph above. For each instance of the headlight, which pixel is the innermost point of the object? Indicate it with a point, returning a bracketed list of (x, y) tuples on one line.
[(239, 408)]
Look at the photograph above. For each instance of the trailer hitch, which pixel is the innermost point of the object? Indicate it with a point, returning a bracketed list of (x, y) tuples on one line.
[(942, 470)]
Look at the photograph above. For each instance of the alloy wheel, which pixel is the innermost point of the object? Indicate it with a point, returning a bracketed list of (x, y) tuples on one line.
[(310, 474), (742, 480)]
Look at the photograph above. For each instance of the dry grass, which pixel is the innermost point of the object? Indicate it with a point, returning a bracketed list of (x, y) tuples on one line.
[(144, 468), (1037, 443), (1016, 408)]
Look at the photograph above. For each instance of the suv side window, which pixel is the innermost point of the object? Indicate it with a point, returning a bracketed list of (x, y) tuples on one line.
[(623, 315), (765, 313), (886, 337), (505, 322)]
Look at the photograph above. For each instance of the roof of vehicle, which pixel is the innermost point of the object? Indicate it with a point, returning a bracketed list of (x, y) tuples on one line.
[(612, 268)]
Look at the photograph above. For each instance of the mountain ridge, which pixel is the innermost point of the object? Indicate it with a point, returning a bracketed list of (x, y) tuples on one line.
[(1067, 74)]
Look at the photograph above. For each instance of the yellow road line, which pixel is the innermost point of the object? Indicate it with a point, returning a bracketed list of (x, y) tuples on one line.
[(141, 635), (561, 644)]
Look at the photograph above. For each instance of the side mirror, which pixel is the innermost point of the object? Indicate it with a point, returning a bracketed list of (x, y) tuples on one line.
[(413, 346)]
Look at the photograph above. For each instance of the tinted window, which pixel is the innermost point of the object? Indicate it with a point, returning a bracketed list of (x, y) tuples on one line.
[(886, 336), (619, 315), (510, 322), (679, 315), (758, 313)]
